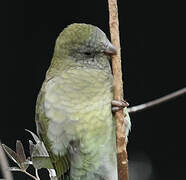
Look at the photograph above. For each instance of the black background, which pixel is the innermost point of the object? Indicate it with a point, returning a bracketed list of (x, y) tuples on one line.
[(153, 66)]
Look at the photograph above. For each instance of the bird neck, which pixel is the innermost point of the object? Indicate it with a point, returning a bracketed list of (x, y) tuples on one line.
[(58, 65), (95, 63)]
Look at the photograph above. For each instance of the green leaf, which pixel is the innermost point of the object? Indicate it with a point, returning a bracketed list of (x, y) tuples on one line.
[(31, 147), (21, 155), (19, 158), (40, 150), (12, 155), (37, 140), (42, 162), (20, 151), (39, 155)]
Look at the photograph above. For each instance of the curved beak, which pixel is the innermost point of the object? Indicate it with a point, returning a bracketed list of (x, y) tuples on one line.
[(110, 49)]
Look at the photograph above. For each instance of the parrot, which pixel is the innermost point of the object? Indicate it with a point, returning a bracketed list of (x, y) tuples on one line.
[(74, 115)]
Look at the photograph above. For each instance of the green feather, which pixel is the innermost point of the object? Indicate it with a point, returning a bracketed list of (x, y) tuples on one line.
[(73, 111)]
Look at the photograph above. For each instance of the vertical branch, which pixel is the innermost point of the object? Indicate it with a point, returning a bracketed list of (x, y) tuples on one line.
[(118, 92)]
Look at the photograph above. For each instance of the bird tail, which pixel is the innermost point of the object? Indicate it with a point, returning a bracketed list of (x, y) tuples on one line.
[(61, 175), (65, 176)]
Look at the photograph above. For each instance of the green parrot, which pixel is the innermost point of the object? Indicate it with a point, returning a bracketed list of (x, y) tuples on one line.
[(74, 115)]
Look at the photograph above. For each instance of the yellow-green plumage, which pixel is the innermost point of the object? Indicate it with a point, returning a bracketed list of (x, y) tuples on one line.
[(73, 112)]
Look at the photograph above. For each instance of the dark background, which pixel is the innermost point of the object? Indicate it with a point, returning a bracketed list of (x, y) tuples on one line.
[(153, 66)]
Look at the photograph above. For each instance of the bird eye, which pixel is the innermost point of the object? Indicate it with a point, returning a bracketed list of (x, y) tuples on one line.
[(87, 53)]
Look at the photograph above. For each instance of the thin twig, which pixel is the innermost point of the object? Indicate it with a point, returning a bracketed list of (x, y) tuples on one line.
[(27, 173), (37, 175), (157, 101), (118, 92), (4, 165)]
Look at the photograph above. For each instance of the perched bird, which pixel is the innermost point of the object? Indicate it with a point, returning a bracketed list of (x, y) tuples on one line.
[(74, 107)]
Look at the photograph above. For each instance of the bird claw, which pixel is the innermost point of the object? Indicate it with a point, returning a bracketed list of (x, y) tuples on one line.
[(118, 105)]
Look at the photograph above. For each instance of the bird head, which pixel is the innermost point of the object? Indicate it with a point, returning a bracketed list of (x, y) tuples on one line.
[(84, 43)]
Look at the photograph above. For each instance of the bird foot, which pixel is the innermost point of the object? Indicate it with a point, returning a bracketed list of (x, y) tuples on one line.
[(118, 105)]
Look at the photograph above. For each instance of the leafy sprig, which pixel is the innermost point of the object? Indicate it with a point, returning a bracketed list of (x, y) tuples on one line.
[(39, 157)]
